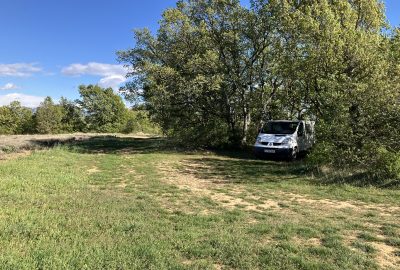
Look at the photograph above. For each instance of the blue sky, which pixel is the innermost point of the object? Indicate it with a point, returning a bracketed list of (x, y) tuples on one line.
[(49, 47)]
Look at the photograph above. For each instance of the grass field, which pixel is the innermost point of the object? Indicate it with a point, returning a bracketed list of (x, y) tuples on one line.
[(138, 203)]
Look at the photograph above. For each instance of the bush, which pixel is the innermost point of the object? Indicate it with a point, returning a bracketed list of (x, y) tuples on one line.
[(48, 117), (139, 121), (375, 162), (383, 164), (322, 154)]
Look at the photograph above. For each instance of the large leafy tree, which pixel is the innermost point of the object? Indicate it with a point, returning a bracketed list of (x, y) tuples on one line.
[(338, 70), (104, 110), (200, 75), (6, 121), (73, 118), (215, 71), (48, 117), (216, 68), (15, 119)]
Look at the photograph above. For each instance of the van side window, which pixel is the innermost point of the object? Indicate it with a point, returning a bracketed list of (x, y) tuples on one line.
[(301, 130)]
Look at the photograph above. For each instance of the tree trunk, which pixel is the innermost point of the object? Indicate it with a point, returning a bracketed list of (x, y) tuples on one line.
[(246, 124), (354, 112)]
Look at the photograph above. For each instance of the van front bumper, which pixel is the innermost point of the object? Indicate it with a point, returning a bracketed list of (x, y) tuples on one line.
[(272, 152)]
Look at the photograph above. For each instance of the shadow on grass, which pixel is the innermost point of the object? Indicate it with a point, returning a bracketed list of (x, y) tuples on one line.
[(243, 169), (231, 166), (225, 166), (359, 179), (111, 144)]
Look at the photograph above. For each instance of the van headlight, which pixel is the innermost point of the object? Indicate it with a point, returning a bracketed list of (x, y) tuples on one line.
[(258, 139), (288, 141)]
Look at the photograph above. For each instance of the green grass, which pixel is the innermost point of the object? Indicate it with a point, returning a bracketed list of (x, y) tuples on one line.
[(123, 203)]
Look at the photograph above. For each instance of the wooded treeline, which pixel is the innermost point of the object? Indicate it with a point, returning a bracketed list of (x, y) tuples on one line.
[(98, 110), (216, 71)]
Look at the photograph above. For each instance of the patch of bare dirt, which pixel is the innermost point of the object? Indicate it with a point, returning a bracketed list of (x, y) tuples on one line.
[(10, 156), (218, 266), (94, 170), (202, 187), (313, 242), (386, 257), (122, 185), (231, 202), (210, 188), (322, 202), (188, 262), (385, 254), (231, 196), (336, 204), (350, 238)]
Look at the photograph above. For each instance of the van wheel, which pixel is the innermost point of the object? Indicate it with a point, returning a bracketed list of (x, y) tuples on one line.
[(293, 154)]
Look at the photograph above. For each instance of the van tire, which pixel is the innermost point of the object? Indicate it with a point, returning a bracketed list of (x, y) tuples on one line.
[(293, 154)]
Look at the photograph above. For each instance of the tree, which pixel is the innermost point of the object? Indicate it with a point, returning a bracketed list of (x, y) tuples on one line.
[(15, 119), (337, 68), (138, 120), (22, 118), (215, 71), (103, 109), (203, 70), (6, 121), (73, 119), (48, 117)]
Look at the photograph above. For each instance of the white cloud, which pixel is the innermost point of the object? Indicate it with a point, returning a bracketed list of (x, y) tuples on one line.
[(9, 86), (26, 100), (111, 75), (93, 68), (19, 69), (113, 81)]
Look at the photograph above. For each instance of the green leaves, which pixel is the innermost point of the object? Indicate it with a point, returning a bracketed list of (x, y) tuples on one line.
[(15, 119), (215, 71), (197, 70), (104, 110), (48, 117)]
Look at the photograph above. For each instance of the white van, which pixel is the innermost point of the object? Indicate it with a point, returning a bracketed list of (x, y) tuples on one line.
[(285, 139)]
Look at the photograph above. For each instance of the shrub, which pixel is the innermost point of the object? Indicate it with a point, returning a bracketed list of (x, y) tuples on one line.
[(322, 154), (139, 121), (383, 164), (375, 162)]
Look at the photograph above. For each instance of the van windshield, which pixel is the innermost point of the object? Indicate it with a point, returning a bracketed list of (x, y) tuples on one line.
[(280, 128)]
